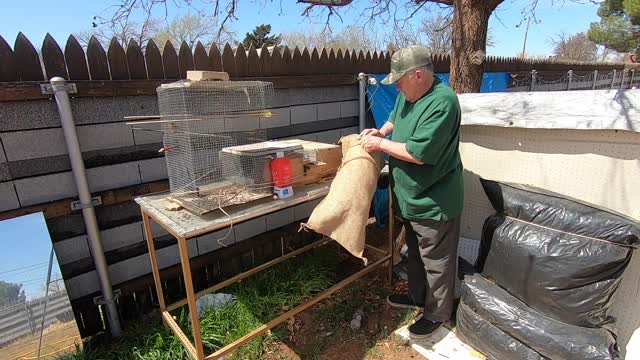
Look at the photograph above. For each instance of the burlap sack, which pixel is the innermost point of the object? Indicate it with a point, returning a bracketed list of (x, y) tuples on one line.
[(344, 212)]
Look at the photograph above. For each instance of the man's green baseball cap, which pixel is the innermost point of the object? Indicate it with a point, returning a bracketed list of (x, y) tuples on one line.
[(407, 59)]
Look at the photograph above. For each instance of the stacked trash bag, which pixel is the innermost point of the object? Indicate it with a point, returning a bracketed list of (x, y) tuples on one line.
[(549, 267)]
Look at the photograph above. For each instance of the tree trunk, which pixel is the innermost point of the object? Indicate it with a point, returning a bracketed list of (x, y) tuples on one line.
[(470, 24)]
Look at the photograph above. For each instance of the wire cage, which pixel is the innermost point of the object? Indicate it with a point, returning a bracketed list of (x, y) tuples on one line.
[(215, 148)]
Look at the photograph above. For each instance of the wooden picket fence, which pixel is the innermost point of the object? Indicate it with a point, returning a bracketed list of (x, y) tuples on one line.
[(131, 71)]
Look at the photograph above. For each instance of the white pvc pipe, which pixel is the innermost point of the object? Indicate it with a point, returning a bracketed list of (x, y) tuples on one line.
[(88, 213), (362, 82)]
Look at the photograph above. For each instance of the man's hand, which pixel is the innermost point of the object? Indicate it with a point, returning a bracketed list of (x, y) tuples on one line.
[(371, 142), (372, 132)]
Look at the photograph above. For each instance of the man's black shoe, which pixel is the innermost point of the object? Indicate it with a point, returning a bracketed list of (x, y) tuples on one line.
[(403, 301), (423, 328)]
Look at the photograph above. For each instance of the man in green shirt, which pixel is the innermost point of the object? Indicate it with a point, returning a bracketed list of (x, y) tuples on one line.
[(426, 179)]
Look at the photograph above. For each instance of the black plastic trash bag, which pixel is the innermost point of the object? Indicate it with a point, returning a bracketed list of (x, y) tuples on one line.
[(548, 337), (494, 343), (561, 257)]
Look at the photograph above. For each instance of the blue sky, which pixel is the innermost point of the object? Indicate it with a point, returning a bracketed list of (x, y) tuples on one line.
[(64, 17), (25, 251)]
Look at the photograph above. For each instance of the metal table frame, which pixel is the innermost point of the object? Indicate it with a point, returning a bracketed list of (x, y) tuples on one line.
[(151, 210)]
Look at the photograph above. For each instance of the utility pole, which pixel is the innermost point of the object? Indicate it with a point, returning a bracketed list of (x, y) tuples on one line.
[(526, 32)]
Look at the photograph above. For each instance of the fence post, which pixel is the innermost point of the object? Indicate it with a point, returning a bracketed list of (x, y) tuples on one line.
[(613, 78), (595, 79), (624, 75), (534, 77), (633, 74), (570, 79)]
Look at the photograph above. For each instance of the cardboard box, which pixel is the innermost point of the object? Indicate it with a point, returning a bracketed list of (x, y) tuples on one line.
[(317, 161)]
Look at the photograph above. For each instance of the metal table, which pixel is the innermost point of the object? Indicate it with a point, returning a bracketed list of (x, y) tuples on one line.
[(184, 226)]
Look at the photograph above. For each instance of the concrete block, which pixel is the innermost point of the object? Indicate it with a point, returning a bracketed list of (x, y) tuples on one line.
[(308, 137), (8, 196), (281, 98), (245, 123), (146, 136), (104, 136), (5, 174), (130, 268), (349, 131), (113, 176), (112, 109), (40, 189), (304, 114), (3, 158), (329, 136), (249, 228), (120, 236), (279, 218), (22, 145), (329, 111), (157, 230), (280, 117), (72, 249), (170, 255), (83, 284), (215, 240), (349, 108), (23, 115), (153, 169), (305, 209)]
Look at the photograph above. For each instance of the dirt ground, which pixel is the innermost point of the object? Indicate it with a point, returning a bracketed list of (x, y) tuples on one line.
[(318, 333), (58, 339)]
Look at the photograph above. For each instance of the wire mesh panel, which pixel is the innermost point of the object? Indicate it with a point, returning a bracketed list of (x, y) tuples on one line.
[(201, 120), (582, 82), (603, 81), (552, 85)]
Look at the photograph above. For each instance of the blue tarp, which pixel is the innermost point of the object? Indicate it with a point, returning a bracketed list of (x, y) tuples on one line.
[(382, 98)]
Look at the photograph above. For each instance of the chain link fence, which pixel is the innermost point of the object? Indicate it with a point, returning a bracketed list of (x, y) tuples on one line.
[(615, 79)]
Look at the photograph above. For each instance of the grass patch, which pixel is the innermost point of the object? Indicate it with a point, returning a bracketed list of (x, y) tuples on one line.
[(260, 298)]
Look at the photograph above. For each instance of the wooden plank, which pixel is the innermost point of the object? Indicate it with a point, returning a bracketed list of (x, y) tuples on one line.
[(185, 59), (277, 65), (265, 61), (229, 61), (332, 67), (117, 61), (340, 62), (97, 60), (27, 61), (135, 61), (241, 62), (155, 269), (201, 59), (323, 63), (76, 60), (197, 75), (286, 61), (297, 66), (166, 317), (8, 70), (170, 61), (314, 64), (53, 58), (368, 63), (17, 91), (153, 59), (253, 62), (215, 58)]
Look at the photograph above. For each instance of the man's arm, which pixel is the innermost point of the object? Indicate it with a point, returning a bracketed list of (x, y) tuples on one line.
[(395, 149)]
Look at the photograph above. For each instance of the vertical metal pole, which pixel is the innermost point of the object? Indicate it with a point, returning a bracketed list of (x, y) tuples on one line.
[(534, 78), (633, 74), (595, 79), (624, 75), (46, 301), (391, 238), (88, 212), (570, 79), (613, 78), (362, 83)]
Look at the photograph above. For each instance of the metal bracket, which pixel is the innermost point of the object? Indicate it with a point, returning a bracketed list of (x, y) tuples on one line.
[(77, 205), (99, 300), (47, 89)]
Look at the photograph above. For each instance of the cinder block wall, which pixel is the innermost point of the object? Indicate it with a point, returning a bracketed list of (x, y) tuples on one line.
[(35, 169)]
